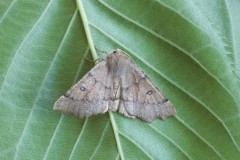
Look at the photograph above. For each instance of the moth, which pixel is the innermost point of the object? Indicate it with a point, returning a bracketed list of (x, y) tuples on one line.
[(115, 84)]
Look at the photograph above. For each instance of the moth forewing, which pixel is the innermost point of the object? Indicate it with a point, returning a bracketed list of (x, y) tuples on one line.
[(116, 83)]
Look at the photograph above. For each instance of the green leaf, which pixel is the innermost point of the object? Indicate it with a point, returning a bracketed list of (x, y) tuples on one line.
[(189, 49)]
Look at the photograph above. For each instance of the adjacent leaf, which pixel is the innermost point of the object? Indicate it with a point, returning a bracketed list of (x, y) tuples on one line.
[(189, 49)]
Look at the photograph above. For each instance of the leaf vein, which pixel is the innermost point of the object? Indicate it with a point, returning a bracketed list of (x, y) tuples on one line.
[(135, 144), (6, 12), (100, 141), (79, 137)]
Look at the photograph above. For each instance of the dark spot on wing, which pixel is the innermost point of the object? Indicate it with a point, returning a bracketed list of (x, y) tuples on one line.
[(149, 92), (82, 88), (165, 100), (66, 95), (90, 74)]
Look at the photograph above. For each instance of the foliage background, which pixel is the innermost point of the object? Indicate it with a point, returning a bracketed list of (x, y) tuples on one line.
[(189, 49)]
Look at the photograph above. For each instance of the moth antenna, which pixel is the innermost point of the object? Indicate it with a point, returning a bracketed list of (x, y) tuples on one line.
[(98, 60), (104, 52), (100, 51), (92, 61)]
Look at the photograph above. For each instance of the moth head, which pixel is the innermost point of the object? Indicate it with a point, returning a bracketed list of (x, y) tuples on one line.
[(117, 51)]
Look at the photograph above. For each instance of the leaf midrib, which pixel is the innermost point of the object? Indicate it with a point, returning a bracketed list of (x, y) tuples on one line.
[(91, 44)]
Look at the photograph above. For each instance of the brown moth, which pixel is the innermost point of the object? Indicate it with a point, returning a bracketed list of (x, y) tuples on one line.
[(118, 85)]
